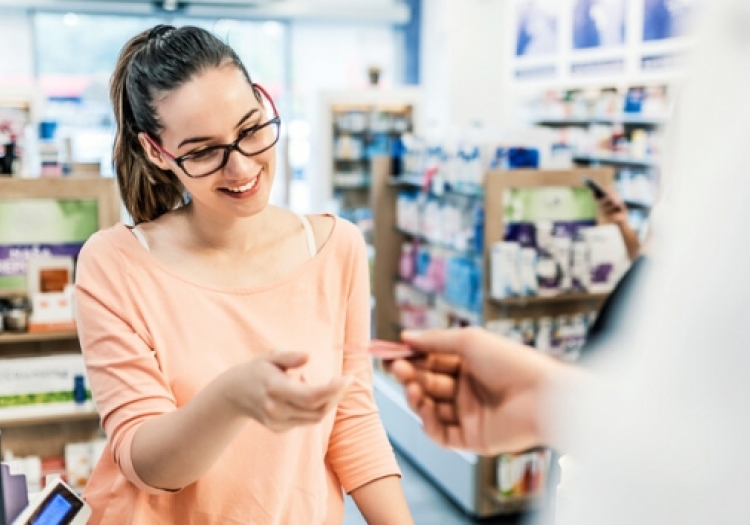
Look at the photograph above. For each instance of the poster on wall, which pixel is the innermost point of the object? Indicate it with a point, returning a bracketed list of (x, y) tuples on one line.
[(664, 19), (537, 26), (599, 23), (41, 227)]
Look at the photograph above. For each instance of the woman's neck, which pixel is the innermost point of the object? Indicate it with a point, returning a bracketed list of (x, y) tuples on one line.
[(227, 234)]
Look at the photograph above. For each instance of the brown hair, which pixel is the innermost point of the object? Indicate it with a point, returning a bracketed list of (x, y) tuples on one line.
[(150, 65)]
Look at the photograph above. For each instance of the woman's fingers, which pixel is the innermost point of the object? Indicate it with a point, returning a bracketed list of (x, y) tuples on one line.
[(309, 397)]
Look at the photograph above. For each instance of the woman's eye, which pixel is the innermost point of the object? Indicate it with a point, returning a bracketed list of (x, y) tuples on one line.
[(249, 131), (202, 154)]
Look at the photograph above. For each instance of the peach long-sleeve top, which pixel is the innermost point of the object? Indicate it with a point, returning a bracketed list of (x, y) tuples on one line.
[(152, 339)]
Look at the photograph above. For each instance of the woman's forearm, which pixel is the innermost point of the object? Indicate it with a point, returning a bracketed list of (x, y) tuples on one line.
[(173, 450), (382, 502)]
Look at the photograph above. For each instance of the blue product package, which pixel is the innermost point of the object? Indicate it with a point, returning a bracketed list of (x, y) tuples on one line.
[(523, 158)]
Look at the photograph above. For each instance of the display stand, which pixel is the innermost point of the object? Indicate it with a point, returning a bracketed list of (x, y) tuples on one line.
[(44, 430), (353, 126), (469, 480)]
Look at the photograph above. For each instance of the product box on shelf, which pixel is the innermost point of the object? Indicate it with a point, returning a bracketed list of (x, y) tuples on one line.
[(36, 380)]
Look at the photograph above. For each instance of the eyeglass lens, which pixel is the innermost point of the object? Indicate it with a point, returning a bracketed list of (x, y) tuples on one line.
[(250, 143)]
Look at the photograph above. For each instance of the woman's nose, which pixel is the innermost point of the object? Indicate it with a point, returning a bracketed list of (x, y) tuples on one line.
[(239, 166)]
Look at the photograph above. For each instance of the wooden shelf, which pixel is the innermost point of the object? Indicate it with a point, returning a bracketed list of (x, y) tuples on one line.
[(604, 158), (417, 181), (13, 103), (26, 337), (629, 120), (540, 300), (637, 205), (46, 413), (411, 180), (421, 238), (474, 318), (426, 293)]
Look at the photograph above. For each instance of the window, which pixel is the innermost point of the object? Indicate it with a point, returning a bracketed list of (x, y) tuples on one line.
[(76, 54)]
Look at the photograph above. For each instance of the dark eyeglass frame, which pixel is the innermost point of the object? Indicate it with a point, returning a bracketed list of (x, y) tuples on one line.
[(228, 148)]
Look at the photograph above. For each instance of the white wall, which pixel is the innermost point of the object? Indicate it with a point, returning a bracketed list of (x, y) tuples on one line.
[(17, 58), (464, 54)]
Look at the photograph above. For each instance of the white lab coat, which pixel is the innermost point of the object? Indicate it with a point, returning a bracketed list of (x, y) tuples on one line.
[(662, 437)]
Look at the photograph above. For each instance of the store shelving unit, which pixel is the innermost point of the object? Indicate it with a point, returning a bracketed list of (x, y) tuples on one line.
[(45, 429), (616, 160), (46, 414), (353, 124), (625, 119), (468, 479)]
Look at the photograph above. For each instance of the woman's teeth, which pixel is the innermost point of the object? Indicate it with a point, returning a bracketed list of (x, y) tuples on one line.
[(250, 185)]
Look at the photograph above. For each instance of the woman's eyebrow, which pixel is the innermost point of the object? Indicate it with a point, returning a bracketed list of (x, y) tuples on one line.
[(193, 140)]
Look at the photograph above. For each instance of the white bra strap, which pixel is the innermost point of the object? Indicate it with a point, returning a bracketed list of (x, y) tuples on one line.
[(310, 235), (141, 239)]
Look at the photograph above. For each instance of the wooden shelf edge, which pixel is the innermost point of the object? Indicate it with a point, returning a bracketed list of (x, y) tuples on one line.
[(613, 159), (33, 337), (30, 415), (561, 298)]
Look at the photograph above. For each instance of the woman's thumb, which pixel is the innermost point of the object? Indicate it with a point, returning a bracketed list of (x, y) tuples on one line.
[(286, 360)]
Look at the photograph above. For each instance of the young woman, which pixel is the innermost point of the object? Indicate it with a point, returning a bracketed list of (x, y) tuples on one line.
[(184, 318)]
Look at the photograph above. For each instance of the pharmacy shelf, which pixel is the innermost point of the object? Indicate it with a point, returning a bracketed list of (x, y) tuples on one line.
[(541, 300), (18, 416), (474, 318), (629, 120), (603, 158), (411, 180), (424, 240), (637, 205), (345, 183), (428, 294), (33, 337), (417, 181)]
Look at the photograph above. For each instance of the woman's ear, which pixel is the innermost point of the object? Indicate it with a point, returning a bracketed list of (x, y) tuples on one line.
[(152, 153)]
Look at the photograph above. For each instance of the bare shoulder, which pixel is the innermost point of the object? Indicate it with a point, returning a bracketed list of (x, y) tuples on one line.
[(163, 232), (322, 226)]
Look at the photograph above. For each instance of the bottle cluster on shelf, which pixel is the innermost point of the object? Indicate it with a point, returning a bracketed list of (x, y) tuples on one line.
[(453, 220), (523, 475), (561, 336), (547, 258), (74, 467), (635, 104), (359, 134), (443, 255), (459, 159)]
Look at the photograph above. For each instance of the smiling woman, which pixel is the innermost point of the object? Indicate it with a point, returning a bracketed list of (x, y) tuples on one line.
[(179, 317)]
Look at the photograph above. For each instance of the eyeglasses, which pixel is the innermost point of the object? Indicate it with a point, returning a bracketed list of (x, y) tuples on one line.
[(252, 141)]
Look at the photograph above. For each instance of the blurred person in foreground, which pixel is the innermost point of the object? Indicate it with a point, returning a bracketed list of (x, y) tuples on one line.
[(657, 424)]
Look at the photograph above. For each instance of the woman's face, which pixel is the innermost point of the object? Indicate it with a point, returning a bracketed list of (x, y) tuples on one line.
[(216, 108)]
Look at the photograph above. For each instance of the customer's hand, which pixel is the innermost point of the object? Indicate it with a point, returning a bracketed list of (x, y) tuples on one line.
[(263, 390), (613, 209), (474, 390)]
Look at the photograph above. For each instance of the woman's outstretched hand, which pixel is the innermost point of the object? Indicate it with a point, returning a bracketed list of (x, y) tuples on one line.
[(263, 390)]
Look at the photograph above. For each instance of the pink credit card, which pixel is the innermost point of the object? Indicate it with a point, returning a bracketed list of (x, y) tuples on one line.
[(389, 351)]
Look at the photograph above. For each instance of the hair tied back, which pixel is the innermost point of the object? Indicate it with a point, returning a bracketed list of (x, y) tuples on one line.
[(159, 30)]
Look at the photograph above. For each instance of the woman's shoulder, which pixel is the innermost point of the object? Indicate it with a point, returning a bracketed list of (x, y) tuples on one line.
[(105, 239), (335, 230)]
